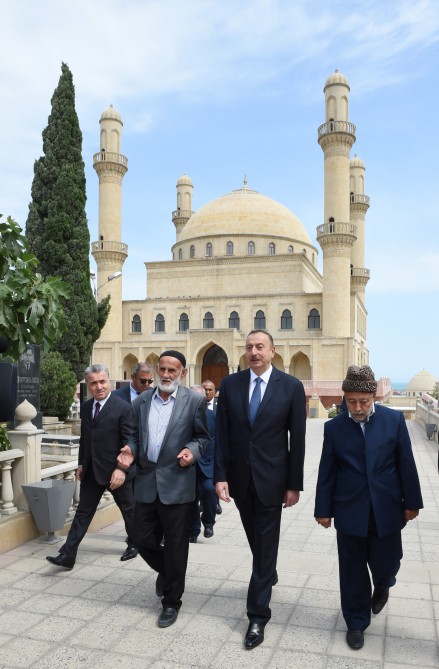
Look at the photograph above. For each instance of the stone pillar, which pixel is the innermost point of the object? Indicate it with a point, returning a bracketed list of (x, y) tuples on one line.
[(27, 438)]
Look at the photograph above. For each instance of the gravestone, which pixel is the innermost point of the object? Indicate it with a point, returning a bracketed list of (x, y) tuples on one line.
[(29, 381)]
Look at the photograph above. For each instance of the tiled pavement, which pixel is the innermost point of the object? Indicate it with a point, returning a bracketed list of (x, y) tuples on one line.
[(103, 613)]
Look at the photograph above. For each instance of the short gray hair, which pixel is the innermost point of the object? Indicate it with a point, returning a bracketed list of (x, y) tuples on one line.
[(139, 366), (199, 389), (95, 369)]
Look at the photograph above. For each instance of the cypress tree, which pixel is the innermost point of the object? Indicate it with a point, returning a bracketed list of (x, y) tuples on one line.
[(57, 228)]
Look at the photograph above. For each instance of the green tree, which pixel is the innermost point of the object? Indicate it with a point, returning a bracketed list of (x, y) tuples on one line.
[(58, 385), (30, 305), (57, 224)]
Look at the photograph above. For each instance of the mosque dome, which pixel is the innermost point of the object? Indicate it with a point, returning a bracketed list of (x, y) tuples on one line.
[(337, 79), (112, 114), (356, 162), (245, 212), (422, 382), (184, 180)]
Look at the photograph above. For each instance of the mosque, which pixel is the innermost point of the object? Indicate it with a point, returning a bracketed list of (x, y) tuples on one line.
[(262, 266)]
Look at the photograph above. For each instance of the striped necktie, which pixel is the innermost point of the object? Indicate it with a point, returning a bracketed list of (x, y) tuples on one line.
[(255, 400)]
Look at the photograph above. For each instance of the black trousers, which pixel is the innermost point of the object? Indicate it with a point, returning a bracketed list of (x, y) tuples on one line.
[(382, 555), (90, 495), (262, 527), (207, 493), (155, 520)]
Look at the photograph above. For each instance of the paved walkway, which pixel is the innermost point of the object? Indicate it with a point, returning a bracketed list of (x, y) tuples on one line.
[(103, 613)]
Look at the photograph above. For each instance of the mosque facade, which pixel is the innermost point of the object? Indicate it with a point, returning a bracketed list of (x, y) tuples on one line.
[(262, 268)]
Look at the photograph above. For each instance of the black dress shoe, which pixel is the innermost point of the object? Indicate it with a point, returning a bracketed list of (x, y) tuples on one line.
[(355, 639), (275, 580), (193, 539), (254, 636), (167, 617), (159, 586), (61, 561), (130, 553), (379, 600), (208, 532), (219, 509)]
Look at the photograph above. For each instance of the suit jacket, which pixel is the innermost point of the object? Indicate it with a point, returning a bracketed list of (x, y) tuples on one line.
[(205, 463), (102, 439), (187, 428), (124, 393), (272, 451), (357, 471)]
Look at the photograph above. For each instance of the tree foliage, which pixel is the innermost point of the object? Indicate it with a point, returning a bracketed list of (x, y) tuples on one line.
[(57, 224), (58, 385), (30, 305)]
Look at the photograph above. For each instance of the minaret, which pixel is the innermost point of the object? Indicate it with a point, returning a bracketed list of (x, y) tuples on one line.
[(109, 252), (359, 204), (337, 234), (184, 204)]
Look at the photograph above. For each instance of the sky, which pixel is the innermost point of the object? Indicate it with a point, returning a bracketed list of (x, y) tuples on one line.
[(220, 89)]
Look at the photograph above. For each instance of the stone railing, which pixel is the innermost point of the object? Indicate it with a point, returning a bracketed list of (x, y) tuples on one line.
[(336, 126), (428, 417), (7, 496), (110, 157)]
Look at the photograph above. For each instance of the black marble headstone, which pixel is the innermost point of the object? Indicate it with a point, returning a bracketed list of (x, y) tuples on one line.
[(29, 380)]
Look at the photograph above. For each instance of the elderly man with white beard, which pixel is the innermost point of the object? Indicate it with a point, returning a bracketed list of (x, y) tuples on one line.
[(170, 434)]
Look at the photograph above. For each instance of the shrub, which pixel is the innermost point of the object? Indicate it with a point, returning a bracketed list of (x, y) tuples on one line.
[(58, 385)]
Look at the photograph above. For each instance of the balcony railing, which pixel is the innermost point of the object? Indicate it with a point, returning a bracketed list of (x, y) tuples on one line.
[(336, 229), (360, 199), (109, 246), (182, 213), (337, 126), (360, 272), (110, 157)]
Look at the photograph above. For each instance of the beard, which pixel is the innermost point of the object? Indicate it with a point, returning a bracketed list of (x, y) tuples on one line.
[(169, 387)]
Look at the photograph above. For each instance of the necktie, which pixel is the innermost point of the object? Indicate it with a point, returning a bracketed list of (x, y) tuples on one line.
[(97, 409), (255, 400)]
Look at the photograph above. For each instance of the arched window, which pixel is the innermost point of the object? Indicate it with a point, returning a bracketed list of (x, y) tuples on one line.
[(159, 325), (229, 248), (313, 320), (208, 320), (286, 320), (209, 249), (290, 249), (180, 254), (234, 320), (183, 323), (136, 324), (271, 248), (251, 248), (192, 251), (260, 320), (304, 252)]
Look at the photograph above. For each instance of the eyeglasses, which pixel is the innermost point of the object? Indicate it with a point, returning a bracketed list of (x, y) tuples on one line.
[(144, 381)]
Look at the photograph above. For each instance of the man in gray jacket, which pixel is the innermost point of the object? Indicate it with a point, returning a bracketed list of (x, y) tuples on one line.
[(170, 434)]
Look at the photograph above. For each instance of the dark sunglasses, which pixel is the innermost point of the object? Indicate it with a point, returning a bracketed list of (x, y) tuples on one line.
[(143, 381)]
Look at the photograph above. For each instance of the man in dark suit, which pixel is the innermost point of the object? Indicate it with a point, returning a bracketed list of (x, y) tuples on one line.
[(106, 426), (369, 484), (211, 403), (259, 455), (142, 378), (206, 492), (170, 434)]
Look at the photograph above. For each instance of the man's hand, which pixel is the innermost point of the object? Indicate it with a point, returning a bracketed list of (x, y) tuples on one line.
[(291, 497), (324, 522), (185, 458), (117, 479), (222, 490), (125, 457), (78, 473), (410, 514)]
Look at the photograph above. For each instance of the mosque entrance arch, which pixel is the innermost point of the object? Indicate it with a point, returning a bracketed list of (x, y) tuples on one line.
[(129, 362), (215, 365), (300, 366)]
